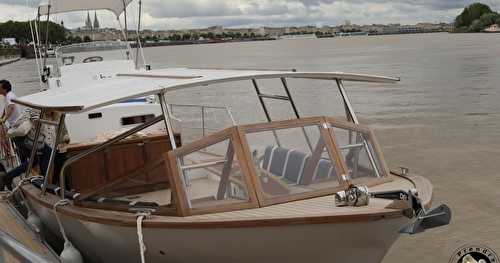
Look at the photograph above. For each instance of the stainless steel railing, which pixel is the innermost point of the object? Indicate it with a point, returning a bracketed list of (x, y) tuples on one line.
[(19, 251)]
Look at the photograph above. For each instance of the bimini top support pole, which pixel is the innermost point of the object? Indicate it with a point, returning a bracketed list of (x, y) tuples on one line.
[(139, 44), (347, 102), (46, 38)]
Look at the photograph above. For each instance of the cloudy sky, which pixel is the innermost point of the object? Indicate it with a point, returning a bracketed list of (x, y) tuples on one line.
[(182, 14)]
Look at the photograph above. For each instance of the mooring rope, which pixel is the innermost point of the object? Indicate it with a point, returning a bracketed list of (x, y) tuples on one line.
[(21, 183), (140, 237), (61, 202)]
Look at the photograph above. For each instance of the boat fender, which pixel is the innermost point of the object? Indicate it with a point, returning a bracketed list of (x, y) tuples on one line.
[(70, 254), (34, 222)]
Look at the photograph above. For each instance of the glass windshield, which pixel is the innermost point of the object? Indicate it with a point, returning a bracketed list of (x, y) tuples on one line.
[(293, 160)]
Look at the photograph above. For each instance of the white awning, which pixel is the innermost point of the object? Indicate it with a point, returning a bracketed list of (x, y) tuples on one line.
[(64, 6), (135, 84)]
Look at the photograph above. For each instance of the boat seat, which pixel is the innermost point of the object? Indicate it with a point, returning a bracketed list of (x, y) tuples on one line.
[(290, 165)]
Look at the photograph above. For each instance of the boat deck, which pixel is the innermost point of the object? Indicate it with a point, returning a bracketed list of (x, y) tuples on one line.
[(310, 211), (13, 224)]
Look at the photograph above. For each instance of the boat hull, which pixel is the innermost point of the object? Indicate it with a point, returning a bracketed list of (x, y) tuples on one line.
[(327, 242)]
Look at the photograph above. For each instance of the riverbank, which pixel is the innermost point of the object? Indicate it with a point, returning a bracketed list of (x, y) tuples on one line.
[(5, 60)]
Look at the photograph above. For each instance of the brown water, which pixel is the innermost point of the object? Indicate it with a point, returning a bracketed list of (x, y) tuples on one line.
[(442, 120)]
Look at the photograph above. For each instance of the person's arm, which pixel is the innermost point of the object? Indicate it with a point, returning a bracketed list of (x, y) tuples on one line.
[(8, 111)]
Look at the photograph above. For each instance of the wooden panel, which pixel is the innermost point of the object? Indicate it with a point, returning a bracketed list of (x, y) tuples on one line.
[(120, 160), (154, 150), (88, 172)]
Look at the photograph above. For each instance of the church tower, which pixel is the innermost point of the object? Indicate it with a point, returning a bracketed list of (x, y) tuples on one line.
[(96, 22), (88, 23)]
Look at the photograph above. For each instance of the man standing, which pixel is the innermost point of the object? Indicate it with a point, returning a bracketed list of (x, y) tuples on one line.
[(12, 111)]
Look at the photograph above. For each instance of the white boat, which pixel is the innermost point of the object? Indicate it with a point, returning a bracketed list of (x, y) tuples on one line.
[(306, 189), (298, 36), (268, 185)]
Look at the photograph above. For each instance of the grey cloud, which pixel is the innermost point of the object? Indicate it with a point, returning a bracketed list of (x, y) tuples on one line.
[(232, 13)]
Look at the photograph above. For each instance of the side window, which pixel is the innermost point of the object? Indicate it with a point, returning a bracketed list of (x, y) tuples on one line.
[(293, 161), (212, 176), (358, 151)]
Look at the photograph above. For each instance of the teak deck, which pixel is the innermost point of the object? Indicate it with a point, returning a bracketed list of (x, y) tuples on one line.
[(11, 223), (310, 211)]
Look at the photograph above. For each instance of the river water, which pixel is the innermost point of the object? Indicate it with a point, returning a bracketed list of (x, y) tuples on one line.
[(442, 120)]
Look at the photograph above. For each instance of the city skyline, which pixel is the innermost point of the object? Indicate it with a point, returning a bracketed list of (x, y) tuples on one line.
[(192, 14)]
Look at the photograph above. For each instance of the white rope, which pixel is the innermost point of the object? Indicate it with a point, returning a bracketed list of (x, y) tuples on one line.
[(61, 202), (21, 183), (140, 237)]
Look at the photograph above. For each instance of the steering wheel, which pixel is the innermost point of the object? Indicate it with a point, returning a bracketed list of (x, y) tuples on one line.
[(93, 59)]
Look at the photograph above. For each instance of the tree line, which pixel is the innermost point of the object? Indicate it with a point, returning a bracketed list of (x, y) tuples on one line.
[(21, 32), (475, 18)]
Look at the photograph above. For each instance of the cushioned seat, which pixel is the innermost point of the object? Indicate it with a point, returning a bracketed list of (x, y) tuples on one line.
[(290, 165)]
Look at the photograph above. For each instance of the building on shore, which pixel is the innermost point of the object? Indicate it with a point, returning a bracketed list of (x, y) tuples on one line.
[(495, 28)]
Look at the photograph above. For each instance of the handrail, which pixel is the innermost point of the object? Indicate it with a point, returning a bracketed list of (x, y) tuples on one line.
[(202, 165), (19, 251), (202, 109), (116, 139)]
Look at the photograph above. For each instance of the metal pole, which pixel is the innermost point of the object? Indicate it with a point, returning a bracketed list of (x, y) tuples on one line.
[(263, 104), (228, 109), (46, 37), (203, 120), (129, 52), (18, 250), (36, 55), (168, 125), (168, 119), (38, 39), (55, 144), (347, 102), (125, 17), (138, 36), (296, 111), (38, 128), (348, 105)]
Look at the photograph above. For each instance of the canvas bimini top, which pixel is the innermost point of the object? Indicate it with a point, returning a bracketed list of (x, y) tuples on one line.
[(63, 6), (124, 86)]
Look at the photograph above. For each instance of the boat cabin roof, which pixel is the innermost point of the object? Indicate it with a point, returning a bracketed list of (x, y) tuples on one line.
[(65, 6), (139, 83)]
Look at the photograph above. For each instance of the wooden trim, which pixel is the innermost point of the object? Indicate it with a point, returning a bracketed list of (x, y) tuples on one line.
[(313, 162), (129, 220), (245, 161), (347, 125), (278, 125), (204, 142), (252, 172), (177, 184), (335, 153), (226, 171), (161, 210), (268, 201)]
